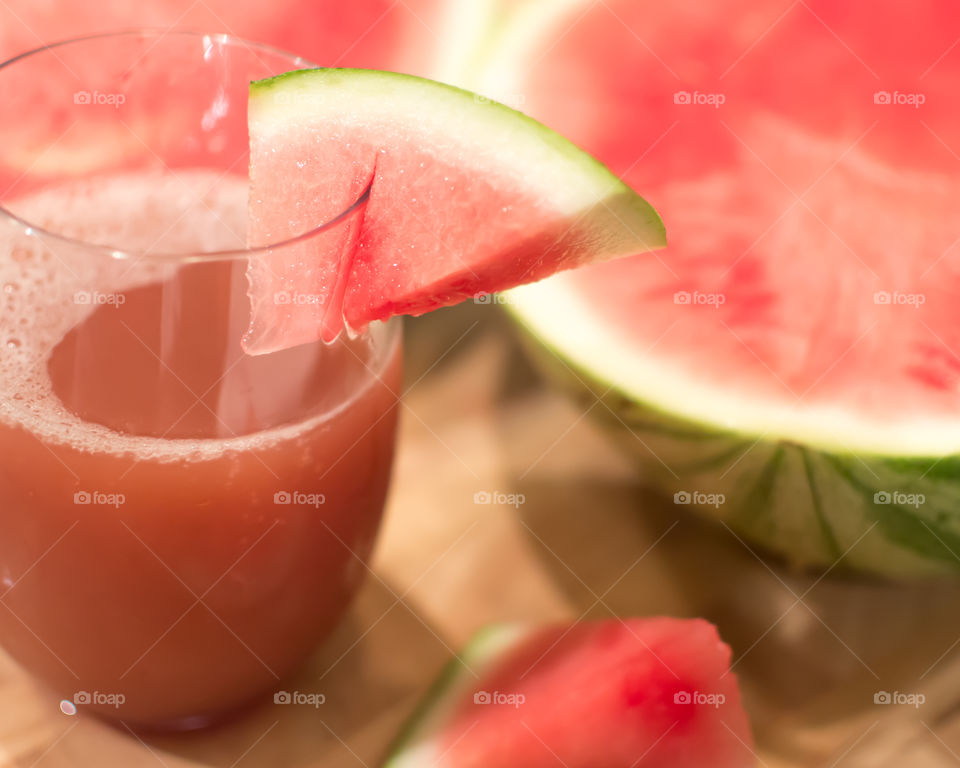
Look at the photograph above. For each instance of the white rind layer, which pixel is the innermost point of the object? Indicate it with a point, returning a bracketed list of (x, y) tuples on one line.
[(557, 314)]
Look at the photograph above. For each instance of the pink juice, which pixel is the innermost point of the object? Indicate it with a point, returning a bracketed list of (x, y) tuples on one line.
[(180, 524)]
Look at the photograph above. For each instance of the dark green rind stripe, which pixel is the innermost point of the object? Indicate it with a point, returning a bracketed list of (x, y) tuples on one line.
[(903, 525), (448, 675), (944, 471), (829, 538), (758, 499), (474, 653)]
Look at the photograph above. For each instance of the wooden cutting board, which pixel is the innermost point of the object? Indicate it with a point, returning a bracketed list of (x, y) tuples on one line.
[(587, 540)]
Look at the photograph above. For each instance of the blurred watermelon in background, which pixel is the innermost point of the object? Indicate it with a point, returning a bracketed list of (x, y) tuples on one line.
[(426, 37), (792, 356), (377, 34)]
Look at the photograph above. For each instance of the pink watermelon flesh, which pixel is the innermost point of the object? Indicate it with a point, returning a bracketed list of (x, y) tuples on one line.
[(437, 227), (362, 275), (638, 693), (879, 185), (355, 270)]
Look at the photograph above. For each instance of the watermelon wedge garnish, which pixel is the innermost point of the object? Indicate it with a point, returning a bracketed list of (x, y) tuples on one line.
[(457, 196), (633, 693)]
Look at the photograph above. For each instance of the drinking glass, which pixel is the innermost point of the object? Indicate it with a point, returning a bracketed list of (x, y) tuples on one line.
[(181, 523)]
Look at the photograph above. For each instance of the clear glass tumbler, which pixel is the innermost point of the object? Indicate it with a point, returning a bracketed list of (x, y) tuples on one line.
[(180, 523)]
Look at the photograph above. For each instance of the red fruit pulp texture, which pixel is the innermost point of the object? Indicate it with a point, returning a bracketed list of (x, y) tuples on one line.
[(815, 203), (490, 236), (650, 693)]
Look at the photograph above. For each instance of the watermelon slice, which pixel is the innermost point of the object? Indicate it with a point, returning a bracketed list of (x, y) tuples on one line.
[(458, 196), (637, 693), (795, 350)]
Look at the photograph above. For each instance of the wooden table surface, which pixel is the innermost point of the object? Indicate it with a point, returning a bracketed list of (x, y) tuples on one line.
[(587, 541)]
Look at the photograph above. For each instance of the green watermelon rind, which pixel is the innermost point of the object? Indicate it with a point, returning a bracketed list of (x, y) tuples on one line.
[(813, 505), (415, 740), (567, 178)]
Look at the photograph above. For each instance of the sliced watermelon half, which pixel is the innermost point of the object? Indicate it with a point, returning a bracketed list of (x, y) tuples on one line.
[(633, 693), (795, 352), (462, 196)]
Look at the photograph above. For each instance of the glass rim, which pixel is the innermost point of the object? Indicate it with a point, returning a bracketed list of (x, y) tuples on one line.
[(176, 256)]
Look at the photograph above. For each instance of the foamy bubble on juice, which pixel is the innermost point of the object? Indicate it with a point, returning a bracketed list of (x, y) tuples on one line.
[(48, 286)]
